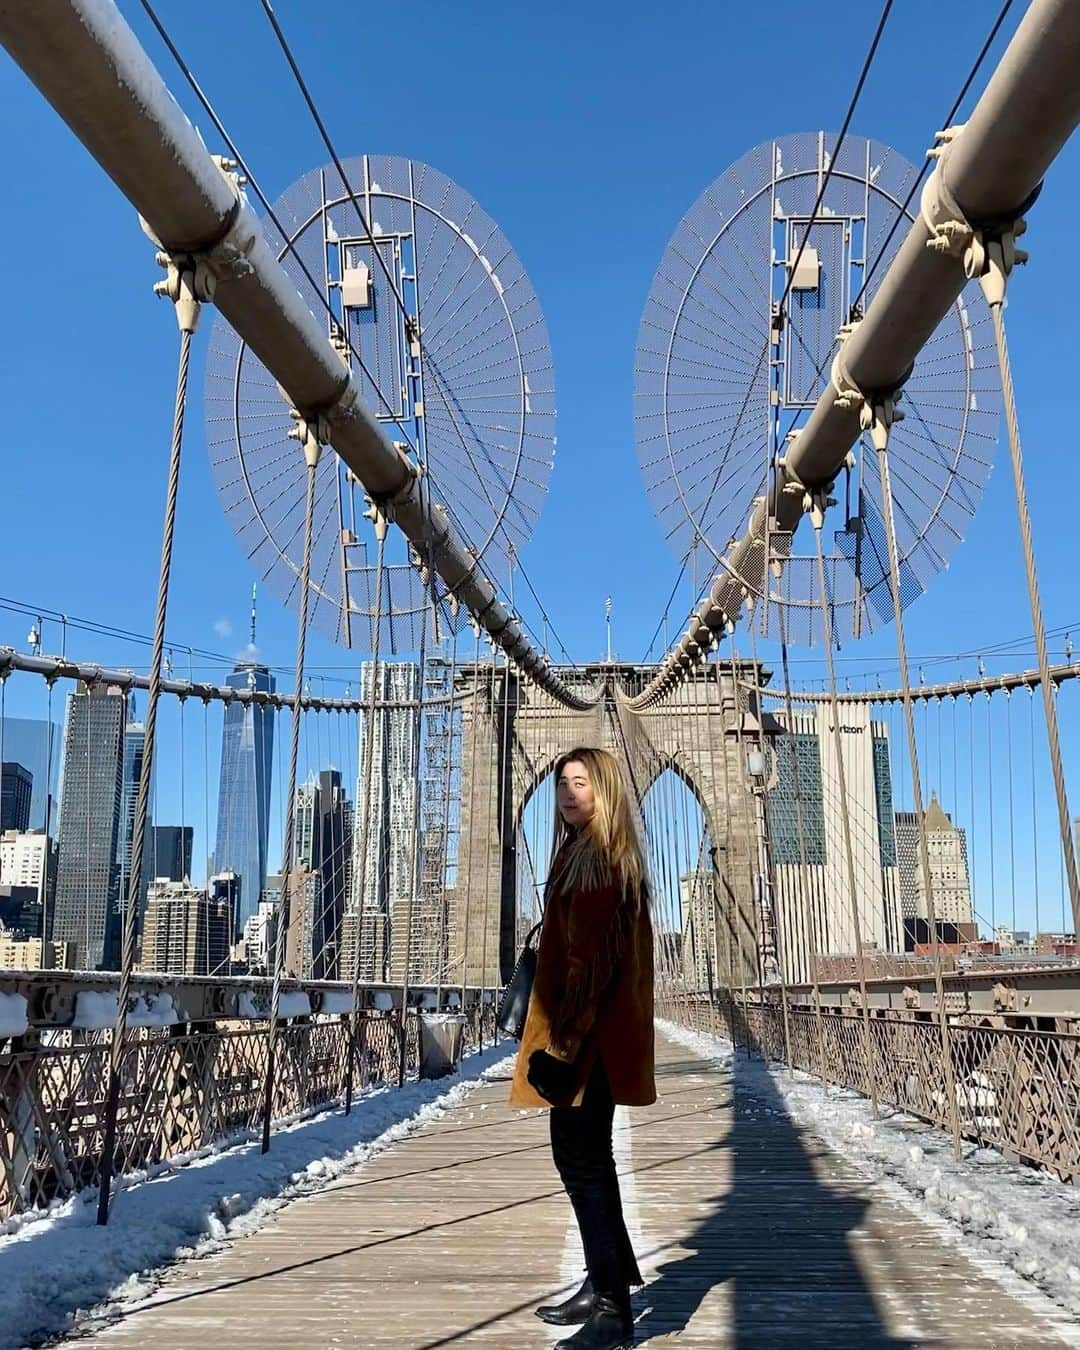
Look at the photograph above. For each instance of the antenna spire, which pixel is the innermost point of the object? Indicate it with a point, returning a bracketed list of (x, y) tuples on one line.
[(254, 589)]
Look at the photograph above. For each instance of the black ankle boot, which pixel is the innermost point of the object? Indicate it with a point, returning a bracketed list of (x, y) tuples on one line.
[(576, 1308), (610, 1327)]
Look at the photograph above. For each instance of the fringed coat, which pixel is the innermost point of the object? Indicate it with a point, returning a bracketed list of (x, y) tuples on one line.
[(593, 994)]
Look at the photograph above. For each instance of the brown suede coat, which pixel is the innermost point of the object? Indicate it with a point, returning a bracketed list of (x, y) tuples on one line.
[(593, 995)]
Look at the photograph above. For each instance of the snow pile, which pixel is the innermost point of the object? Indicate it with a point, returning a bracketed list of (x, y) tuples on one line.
[(94, 1011), (336, 1001), (152, 1010), (256, 1004), (13, 1020), (1028, 1220), (97, 1011), (57, 1265)]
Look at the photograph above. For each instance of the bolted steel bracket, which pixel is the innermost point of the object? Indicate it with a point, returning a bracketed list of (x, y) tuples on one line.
[(877, 417), (816, 502), (988, 252), (380, 514), (1001, 256), (189, 283), (312, 433)]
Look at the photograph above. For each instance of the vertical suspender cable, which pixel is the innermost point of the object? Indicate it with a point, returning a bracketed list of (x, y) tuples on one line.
[(734, 939), (359, 895), (990, 806), (769, 896), (312, 449), (1034, 806), (993, 283), (465, 933), (443, 857), (752, 919), (494, 834), (817, 520), (415, 870), (186, 293), (881, 440), (804, 866)]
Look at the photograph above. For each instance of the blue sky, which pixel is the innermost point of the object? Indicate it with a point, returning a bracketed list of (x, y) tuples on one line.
[(585, 131)]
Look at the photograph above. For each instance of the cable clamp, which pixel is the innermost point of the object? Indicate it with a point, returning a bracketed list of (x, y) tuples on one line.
[(816, 502), (380, 514), (189, 283), (312, 432), (987, 251)]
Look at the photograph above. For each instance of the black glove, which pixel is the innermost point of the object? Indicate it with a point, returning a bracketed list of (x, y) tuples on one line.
[(553, 1078)]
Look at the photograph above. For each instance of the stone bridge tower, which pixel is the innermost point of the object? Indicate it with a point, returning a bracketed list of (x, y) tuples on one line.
[(511, 736)]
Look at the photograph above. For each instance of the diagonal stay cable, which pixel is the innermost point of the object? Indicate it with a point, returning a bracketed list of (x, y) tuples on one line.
[(852, 104), (902, 214), (245, 168), (340, 168), (264, 201)]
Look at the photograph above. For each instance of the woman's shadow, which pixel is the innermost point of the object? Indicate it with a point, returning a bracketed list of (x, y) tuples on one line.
[(778, 1238)]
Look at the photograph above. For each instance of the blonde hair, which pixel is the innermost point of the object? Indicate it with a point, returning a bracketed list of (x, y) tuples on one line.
[(607, 846)]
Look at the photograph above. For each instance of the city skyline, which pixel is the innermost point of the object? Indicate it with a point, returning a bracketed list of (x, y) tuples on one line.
[(396, 735)]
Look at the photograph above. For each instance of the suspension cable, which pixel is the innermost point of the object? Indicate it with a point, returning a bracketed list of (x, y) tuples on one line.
[(826, 178), (809, 905), (187, 288), (359, 898), (881, 417), (817, 520), (999, 260), (312, 449), (768, 885)]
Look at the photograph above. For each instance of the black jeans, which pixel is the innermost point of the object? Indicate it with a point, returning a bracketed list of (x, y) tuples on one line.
[(581, 1147)]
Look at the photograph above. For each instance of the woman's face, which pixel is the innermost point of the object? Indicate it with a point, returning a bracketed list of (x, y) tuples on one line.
[(574, 794)]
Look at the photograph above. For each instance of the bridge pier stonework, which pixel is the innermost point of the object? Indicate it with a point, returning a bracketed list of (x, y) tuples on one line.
[(511, 735)]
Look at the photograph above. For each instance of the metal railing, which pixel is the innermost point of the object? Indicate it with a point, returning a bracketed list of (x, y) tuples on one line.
[(1017, 1088), (182, 1089)]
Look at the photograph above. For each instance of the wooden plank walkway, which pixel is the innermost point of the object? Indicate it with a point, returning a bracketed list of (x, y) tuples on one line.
[(750, 1234)]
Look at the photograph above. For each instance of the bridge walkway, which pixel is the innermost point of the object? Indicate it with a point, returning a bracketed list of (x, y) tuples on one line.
[(751, 1233)]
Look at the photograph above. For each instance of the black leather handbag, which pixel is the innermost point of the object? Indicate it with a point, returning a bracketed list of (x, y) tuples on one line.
[(514, 1004)]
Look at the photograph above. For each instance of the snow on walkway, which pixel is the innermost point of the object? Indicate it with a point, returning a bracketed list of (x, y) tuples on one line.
[(58, 1268), (1026, 1220)]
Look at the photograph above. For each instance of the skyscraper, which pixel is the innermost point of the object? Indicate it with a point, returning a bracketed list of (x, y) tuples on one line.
[(134, 747), (386, 814), (187, 932), (88, 874), (822, 922), (697, 898), (390, 806), (27, 882), (247, 756), (305, 902), (172, 852), (946, 848), (16, 791), (323, 844), (35, 744)]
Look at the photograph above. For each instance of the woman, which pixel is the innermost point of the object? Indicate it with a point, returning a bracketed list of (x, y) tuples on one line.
[(588, 1039)]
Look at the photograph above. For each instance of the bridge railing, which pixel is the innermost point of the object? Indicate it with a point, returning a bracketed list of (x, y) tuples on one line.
[(1017, 1087), (184, 1088)]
